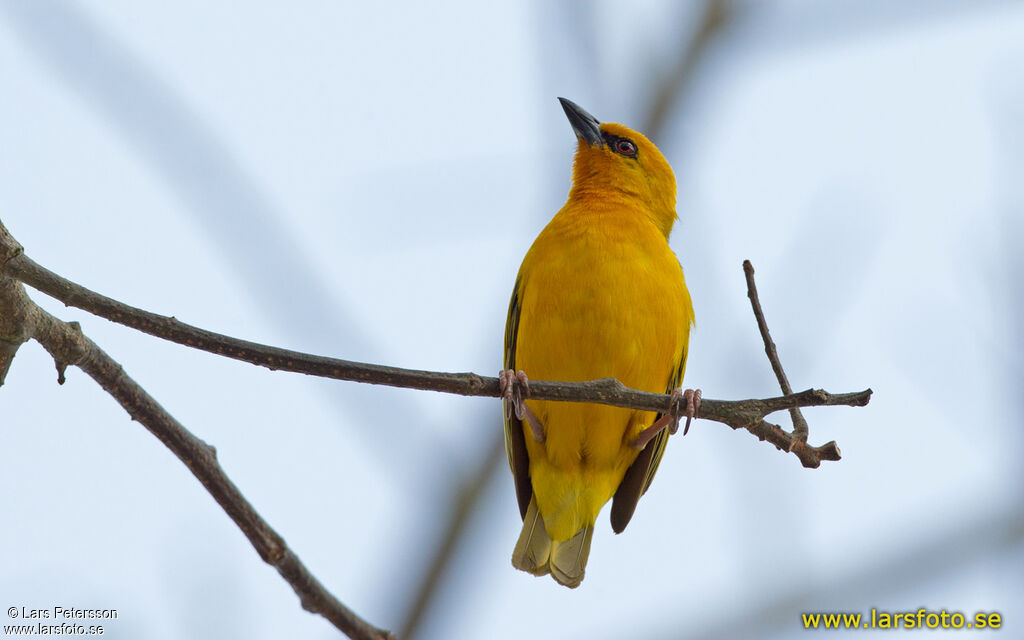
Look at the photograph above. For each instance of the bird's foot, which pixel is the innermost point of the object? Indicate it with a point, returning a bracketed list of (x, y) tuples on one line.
[(681, 403), (692, 398), (514, 385)]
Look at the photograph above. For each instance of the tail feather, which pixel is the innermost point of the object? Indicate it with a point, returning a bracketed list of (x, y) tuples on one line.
[(538, 554), (534, 546), (569, 559)]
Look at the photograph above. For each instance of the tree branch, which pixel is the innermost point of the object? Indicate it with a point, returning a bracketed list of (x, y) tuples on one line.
[(745, 414), (69, 346)]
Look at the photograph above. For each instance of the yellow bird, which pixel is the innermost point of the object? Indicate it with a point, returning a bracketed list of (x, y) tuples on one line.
[(599, 295)]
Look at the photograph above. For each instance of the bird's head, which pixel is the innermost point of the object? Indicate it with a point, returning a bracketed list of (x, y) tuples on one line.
[(613, 161)]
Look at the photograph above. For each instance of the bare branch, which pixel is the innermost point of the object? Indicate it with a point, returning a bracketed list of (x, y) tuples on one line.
[(799, 424), (745, 414), (68, 346)]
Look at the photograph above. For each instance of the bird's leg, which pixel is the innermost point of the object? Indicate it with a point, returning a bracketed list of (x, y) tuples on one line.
[(670, 419), (513, 385)]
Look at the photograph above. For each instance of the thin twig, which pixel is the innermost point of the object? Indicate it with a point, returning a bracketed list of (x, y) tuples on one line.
[(799, 424), (69, 346)]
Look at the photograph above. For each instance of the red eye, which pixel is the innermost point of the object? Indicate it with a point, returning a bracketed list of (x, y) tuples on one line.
[(625, 147)]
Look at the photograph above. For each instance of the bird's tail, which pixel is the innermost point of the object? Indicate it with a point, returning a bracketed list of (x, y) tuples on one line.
[(538, 554)]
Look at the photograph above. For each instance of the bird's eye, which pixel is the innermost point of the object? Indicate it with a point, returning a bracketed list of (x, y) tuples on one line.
[(625, 147)]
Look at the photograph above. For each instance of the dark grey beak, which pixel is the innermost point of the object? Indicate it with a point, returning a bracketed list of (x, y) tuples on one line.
[(585, 125)]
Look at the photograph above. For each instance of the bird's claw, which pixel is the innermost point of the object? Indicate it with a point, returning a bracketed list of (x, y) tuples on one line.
[(692, 398), (670, 419), (514, 385)]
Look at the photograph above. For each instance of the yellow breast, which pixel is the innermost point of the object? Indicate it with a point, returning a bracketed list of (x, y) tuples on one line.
[(602, 295)]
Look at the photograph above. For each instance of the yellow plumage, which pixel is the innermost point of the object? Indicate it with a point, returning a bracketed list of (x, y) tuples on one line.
[(599, 294)]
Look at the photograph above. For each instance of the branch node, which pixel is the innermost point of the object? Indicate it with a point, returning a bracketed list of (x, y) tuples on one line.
[(17, 321), (9, 247), (475, 383), (608, 384), (309, 604), (275, 552)]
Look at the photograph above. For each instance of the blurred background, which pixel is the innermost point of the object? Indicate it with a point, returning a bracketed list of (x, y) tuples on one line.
[(361, 180)]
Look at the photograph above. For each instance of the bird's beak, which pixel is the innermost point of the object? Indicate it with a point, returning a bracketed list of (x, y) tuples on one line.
[(586, 126)]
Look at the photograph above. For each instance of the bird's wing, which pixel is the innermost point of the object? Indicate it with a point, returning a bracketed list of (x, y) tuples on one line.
[(641, 473), (515, 444)]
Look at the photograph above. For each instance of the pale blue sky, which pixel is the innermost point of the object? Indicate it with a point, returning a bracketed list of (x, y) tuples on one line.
[(362, 181)]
